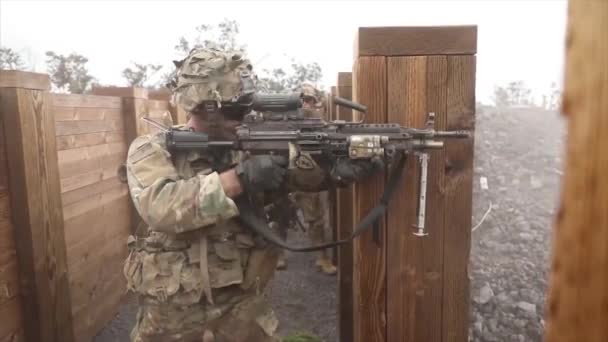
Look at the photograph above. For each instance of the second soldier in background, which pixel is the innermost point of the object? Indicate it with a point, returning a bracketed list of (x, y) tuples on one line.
[(314, 205)]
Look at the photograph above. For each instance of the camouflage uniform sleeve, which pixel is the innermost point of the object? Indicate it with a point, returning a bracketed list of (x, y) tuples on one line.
[(167, 202)]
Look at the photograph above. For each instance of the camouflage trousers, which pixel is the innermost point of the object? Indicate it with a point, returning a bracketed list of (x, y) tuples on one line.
[(315, 212), (173, 302), (235, 318)]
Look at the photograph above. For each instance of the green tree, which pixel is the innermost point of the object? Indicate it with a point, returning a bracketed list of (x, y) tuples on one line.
[(279, 81), (10, 59), (224, 35), (501, 97), (519, 94), (515, 93), (140, 74), (69, 73)]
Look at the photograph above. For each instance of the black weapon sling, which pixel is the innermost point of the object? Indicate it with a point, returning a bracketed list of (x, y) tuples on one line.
[(249, 217)]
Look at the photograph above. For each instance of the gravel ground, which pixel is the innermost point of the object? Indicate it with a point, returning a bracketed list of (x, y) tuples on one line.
[(519, 153)]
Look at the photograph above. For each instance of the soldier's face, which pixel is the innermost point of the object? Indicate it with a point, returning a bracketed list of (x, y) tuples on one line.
[(308, 102), (216, 124)]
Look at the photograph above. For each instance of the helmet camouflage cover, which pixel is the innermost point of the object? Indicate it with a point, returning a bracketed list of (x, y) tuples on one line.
[(211, 75), (308, 89)]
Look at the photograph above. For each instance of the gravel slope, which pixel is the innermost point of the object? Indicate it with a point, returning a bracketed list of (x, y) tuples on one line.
[(519, 152)]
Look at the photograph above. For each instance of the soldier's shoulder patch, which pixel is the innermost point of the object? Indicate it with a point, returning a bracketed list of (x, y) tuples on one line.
[(140, 149), (145, 145), (305, 162)]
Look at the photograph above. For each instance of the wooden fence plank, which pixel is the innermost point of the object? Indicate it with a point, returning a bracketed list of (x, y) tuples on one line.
[(105, 161), (36, 212), (67, 142), (24, 79), (577, 300), (369, 261), (432, 266), (344, 223), (121, 92), (95, 201), (88, 126), (74, 230), (12, 319), (417, 85), (9, 280), (76, 195), (86, 101), (416, 41), (458, 196), (86, 113)]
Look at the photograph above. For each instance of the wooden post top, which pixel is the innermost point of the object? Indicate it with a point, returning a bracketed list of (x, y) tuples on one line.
[(162, 94), (345, 79), (415, 40), (24, 79), (134, 92)]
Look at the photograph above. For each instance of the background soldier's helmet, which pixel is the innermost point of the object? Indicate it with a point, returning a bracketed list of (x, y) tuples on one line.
[(211, 75), (309, 90)]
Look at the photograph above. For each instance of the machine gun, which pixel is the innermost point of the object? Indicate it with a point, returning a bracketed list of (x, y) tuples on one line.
[(276, 125)]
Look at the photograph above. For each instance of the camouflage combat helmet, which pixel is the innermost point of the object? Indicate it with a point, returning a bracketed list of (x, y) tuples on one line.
[(308, 89), (211, 75)]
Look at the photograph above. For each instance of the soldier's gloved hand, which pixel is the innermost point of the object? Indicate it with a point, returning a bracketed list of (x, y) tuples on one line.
[(346, 170), (261, 173)]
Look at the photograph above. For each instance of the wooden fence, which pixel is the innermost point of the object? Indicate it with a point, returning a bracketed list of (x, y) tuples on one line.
[(395, 286), (65, 214)]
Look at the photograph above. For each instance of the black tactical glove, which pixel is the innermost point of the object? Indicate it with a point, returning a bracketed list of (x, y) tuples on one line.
[(261, 173), (347, 171)]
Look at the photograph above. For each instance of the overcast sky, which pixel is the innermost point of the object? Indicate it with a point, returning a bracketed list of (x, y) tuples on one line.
[(517, 40)]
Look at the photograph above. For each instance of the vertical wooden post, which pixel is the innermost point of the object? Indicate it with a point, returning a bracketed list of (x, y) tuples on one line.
[(577, 300), (36, 210), (402, 74), (344, 224)]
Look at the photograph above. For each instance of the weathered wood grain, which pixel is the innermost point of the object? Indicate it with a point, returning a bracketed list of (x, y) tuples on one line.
[(417, 86), (121, 92), (415, 41), (67, 142), (345, 225), (86, 113), (459, 198), (577, 299), (24, 79), (11, 317), (85, 101), (36, 211), (369, 257)]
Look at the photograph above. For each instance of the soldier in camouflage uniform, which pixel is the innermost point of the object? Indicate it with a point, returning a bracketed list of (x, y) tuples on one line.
[(198, 273), (314, 205)]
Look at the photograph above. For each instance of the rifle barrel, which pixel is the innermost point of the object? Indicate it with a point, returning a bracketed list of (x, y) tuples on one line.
[(349, 104)]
